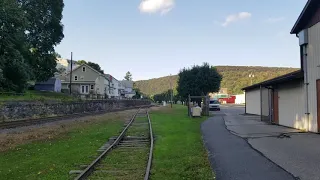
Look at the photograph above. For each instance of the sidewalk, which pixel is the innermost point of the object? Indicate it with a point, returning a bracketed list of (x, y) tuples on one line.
[(232, 158), (296, 152)]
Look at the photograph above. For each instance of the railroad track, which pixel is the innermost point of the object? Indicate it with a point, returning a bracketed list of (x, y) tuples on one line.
[(127, 156), (33, 121)]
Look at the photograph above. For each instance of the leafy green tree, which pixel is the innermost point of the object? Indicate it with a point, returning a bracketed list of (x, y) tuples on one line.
[(138, 93), (57, 55), (199, 80), (43, 32), (128, 76), (80, 62), (13, 50)]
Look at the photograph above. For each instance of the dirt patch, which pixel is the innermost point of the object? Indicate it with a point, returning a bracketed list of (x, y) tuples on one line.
[(11, 138)]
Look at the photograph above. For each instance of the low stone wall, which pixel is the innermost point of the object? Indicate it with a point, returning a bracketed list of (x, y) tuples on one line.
[(23, 110)]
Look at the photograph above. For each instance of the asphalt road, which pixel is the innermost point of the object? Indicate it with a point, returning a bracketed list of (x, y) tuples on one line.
[(231, 157)]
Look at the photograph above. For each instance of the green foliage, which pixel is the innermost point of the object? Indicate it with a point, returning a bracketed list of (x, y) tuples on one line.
[(57, 55), (179, 152), (80, 62), (199, 80), (44, 31), (128, 76), (54, 158), (29, 31), (233, 77)]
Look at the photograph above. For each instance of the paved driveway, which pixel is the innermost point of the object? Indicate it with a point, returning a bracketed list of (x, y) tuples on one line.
[(243, 147)]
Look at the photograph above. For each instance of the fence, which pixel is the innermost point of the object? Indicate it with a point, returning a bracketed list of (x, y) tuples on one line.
[(23, 110)]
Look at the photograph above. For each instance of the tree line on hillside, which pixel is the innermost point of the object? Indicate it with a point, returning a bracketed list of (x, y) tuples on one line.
[(30, 29), (194, 81), (234, 78)]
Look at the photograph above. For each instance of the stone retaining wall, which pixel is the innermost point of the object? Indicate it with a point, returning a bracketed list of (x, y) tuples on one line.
[(23, 110)]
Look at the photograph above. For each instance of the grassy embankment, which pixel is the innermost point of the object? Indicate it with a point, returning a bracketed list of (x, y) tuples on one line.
[(33, 95), (178, 154)]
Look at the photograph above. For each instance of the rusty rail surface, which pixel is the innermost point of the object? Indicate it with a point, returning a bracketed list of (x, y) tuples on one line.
[(92, 167), (147, 175), (27, 122)]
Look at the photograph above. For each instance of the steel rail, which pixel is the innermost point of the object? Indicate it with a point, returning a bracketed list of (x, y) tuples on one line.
[(33, 121), (147, 174), (85, 173)]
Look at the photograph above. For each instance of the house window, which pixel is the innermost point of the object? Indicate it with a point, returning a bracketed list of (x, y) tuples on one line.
[(76, 78), (83, 69), (84, 89), (91, 86)]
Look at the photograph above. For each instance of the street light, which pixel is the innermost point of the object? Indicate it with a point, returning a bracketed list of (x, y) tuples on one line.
[(251, 76)]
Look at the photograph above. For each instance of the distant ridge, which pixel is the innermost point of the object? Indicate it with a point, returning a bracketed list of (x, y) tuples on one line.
[(234, 78)]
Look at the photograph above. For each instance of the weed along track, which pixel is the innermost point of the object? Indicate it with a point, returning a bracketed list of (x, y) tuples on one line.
[(127, 156)]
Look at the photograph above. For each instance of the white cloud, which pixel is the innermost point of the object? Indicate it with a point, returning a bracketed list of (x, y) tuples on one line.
[(156, 6), (236, 17), (275, 20)]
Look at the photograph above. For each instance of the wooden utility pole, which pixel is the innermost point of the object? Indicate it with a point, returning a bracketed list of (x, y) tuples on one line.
[(70, 74), (171, 93)]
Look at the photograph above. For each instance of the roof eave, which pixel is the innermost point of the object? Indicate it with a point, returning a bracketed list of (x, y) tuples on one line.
[(296, 28), (296, 74)]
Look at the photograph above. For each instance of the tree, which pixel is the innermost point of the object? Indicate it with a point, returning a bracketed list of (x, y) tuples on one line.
[(13, 49), (57, 55), (128, 76), (198, 81), (28, 33), (80, 62), (138, 94), (43, 32)]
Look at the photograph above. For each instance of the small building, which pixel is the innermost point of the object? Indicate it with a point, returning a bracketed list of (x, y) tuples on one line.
[(53, 84), (240, 99), (293, 99), (278, 100)]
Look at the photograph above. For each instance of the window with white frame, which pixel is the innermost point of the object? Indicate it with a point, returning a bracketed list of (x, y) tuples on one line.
[(84, 89), (83, 69), (76, 78), (91, 86)]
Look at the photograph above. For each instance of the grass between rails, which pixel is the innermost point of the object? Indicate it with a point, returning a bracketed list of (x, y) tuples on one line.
[(53, 159), (179, 152)]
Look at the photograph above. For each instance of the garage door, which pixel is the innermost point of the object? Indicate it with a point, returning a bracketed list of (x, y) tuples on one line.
[(253, 105), (291, 105)]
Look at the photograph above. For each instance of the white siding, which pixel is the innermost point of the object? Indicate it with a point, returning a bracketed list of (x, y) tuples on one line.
[(291, 105), (313, 70), (253, 105)]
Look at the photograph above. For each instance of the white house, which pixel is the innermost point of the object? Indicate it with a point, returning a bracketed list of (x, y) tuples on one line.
[(85, 80), (113, 86)]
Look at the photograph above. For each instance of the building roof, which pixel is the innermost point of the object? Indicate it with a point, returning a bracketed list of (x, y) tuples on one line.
[(86, 66), (127, 84), (308, 11), (50, 81), (296, 75)]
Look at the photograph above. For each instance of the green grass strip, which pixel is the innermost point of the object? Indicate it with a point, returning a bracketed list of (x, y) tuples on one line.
[(55, 158), (179, 151)]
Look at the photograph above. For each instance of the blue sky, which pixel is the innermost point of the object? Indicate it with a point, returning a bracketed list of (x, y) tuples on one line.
[(155, 38)]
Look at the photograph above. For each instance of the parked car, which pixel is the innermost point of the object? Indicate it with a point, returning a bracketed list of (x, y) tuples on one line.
[(214, 105)]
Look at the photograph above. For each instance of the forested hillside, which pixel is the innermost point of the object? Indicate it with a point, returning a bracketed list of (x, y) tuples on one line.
[(234, 78)]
